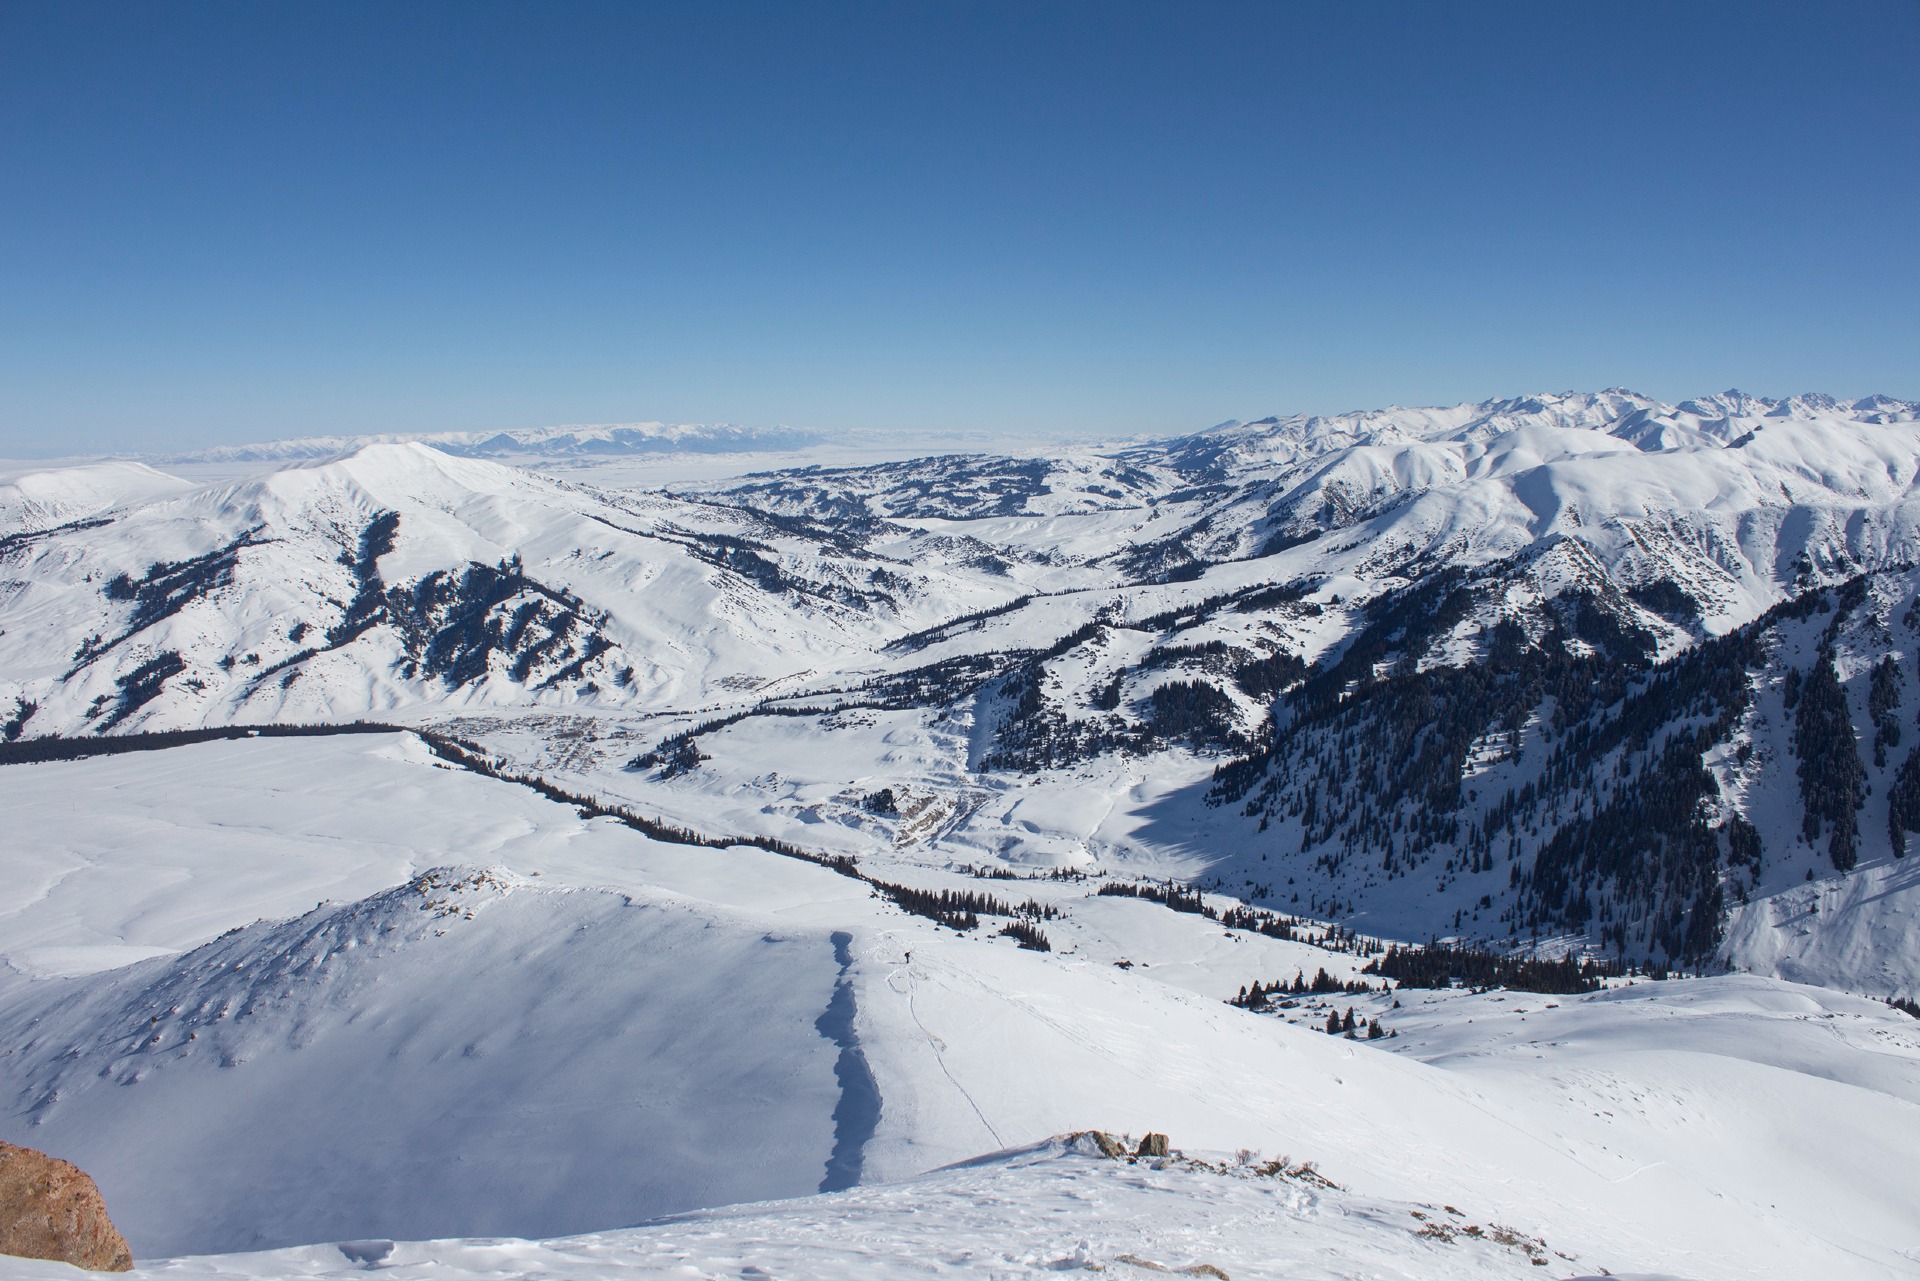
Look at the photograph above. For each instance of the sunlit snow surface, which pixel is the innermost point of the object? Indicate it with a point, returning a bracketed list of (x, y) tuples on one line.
[(1045, 1211), (281, 994), (588, 1028)]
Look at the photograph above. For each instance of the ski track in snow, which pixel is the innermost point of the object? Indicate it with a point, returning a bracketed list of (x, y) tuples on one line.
[(939, 1054)]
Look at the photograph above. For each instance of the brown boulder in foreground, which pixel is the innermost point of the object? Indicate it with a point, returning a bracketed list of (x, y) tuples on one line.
[(49, 1209)]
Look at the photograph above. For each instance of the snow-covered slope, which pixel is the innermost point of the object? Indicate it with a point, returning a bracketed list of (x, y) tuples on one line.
[(1575, 673), (400, 575), (31, 501), (323, 1078), (599, 1028), (1043, 1210)]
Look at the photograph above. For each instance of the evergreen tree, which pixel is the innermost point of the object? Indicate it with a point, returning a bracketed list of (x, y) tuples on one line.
[(1883, 705), (1832, 777), (1903, 804)]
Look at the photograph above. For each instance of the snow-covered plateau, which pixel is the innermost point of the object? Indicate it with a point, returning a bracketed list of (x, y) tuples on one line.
[(422, 862)]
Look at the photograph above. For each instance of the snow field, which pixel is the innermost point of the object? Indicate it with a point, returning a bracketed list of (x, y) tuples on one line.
[(607, 1029), (298, 991), (1042, 1212)]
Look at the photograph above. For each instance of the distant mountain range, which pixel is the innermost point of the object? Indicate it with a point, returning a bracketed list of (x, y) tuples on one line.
[(1521, 671), (602, 440)]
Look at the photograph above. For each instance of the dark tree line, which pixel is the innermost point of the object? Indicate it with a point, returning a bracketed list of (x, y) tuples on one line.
[(937, 684), (1194, 712), (1261, 996), (1170, 894), (35, 750), (744, 557), (23, 710), (1332, 938), (1669, 600), (1437, 966), (1903, 804), (675, 756), (143, 684), (962, 909), (1028, 935), (943, 631), (1883, 707), (15, 543), (168, 586)]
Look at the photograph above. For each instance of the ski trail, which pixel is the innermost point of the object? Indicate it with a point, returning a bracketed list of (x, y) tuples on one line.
[(936, 1044)]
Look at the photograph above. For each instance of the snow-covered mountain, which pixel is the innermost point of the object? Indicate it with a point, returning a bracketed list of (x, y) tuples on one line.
[(36, 500), (842, 788), (401, 575), (1524, 616)]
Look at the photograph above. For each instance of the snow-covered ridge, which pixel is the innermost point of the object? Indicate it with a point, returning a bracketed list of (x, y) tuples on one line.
[(1642, 420), (34, 500)]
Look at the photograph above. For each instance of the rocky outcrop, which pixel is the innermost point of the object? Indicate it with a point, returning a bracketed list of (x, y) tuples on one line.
[(50, 1209)]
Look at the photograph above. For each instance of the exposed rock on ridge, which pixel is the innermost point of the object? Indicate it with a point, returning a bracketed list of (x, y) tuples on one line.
[(50, 1209)]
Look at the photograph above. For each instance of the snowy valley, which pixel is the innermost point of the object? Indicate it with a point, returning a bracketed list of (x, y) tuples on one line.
[(803, 864)]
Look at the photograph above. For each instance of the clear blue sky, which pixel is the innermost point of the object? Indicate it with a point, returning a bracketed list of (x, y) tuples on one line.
[(234, 222)]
